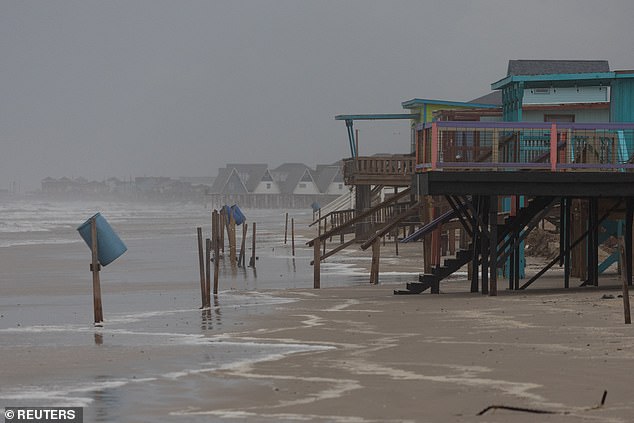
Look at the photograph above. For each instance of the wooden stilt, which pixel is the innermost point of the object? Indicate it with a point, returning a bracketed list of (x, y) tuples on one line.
[(223, 224), (293, 236), (232, 241), (95, 267), (567, 231), (396, 241), (484, 214), (216, 234), (629, 214), (374, 269), (241, 257), (493, 246), (286, 228), (594, 207), (201, 263), (252, 260), (475, 245), (207, 273), (316, 264)]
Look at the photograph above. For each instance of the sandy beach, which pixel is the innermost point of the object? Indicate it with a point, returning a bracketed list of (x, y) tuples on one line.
[(273, 349)]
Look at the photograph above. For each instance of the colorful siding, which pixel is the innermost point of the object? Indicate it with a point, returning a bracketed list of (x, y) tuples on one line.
[(622, 100)]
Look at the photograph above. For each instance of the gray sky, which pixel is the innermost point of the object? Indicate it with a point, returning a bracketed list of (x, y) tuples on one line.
[(174, 88)]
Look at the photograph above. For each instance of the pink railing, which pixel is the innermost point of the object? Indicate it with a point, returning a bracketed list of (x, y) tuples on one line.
[(525, 145)]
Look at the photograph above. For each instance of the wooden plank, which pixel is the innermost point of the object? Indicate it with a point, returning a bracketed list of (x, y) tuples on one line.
[(334, 251)]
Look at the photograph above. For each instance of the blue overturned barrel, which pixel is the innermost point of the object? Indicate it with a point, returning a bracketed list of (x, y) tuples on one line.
[(109, 245), (237, 214)]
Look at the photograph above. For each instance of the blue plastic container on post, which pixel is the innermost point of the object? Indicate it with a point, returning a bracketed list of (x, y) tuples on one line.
[(109, 245), (237, 214)]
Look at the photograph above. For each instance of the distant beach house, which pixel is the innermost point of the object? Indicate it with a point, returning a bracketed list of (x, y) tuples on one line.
[(67, 186), (290, 185)]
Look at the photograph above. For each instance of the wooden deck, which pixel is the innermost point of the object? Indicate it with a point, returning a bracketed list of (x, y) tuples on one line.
[(392, 170)]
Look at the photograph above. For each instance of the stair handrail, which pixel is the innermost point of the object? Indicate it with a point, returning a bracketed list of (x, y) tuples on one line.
[(359, 217)]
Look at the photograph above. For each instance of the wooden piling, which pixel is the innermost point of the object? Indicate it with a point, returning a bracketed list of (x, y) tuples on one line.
[(374, 269), (629, 214), (222, 222), (396, 241), (216, 234), (286, 229), (201, 264), (241, 257), (293, 236), (232, 241), (252, 260), (316, 264), (493, 245), (207, 272), (95, 267)]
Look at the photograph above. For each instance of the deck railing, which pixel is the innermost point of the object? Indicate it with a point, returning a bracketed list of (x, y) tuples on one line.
[(525, 146), (385, 170)]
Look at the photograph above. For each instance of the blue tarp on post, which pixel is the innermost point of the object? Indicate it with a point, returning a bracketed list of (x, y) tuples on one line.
[(237, 214)]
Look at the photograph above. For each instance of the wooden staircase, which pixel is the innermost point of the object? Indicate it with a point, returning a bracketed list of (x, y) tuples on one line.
[(450, 265)]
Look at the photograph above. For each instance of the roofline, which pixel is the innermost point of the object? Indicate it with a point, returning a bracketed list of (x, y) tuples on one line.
[(381, 116), (560, 77), (409, 104)]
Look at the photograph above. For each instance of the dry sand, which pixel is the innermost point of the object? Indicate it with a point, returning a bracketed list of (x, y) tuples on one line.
[(439, 358)]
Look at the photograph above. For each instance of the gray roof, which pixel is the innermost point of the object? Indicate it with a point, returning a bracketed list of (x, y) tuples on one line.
[(544, 67), (493, 98), (250, 175), (326, 175), (289, 175)]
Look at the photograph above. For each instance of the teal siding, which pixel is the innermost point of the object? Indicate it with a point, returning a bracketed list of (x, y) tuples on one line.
[(622, 97)]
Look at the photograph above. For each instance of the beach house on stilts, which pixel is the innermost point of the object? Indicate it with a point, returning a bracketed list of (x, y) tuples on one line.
[(554, 140)]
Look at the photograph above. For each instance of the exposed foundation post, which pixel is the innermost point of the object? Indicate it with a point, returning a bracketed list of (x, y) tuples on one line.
[(475, 245), (629, 214), (201, 265), (207, 273), (293, 236), (316, 264), (216, 234), (493, 245), (374, 269), (252, 260), (95, 267), (484, 215)]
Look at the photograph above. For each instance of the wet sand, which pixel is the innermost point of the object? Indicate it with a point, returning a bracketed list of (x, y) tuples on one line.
[(438, 358), (272, 349)]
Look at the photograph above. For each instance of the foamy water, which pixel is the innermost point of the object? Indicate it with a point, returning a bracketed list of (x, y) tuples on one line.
[(154, 334)]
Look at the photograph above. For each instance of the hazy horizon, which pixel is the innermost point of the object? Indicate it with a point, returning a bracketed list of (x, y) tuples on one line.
[(159, 88)]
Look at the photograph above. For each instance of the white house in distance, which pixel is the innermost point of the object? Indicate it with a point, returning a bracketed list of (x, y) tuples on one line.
[(330, 179), (288, 185)]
